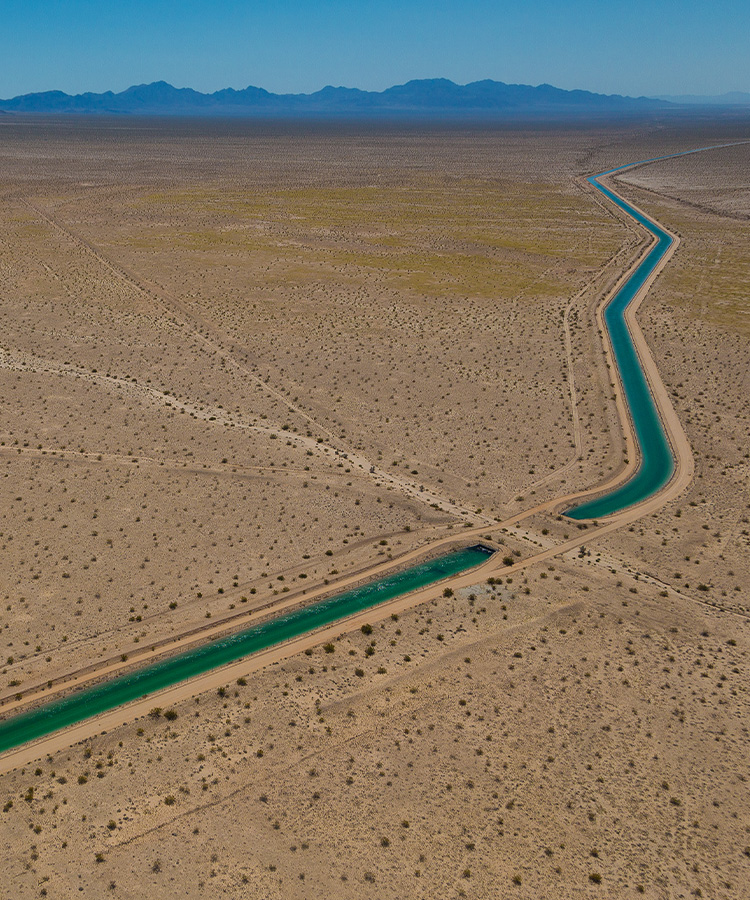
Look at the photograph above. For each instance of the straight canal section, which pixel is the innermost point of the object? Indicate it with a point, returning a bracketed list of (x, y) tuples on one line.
[(84, 704)]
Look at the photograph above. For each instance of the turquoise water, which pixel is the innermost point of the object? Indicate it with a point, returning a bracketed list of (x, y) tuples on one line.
[(656, 459), (91, 701)]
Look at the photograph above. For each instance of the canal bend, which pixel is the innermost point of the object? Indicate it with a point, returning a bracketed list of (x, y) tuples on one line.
[(656, 461)]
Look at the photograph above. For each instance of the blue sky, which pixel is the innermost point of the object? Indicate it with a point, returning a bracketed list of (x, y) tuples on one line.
[(634, 47)]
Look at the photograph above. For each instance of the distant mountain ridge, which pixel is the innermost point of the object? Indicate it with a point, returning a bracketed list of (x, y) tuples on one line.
[(423, 97)]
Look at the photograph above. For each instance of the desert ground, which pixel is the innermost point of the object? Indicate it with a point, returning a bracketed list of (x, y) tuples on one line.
[(242, 361)]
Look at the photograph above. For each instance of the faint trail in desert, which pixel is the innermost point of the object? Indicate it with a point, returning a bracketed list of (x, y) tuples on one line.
[(25, 362), (211, 337), (201, 327)]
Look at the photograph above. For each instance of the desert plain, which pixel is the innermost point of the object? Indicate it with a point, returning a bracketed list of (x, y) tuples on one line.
[(243, 362)]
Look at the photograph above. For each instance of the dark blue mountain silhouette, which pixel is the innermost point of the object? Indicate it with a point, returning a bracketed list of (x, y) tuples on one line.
[(434, 97)]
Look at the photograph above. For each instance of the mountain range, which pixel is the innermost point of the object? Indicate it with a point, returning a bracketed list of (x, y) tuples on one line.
[(431, 98)]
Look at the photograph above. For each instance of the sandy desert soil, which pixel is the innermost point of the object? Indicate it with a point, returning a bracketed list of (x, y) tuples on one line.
[(219, 289), (400, 298)]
